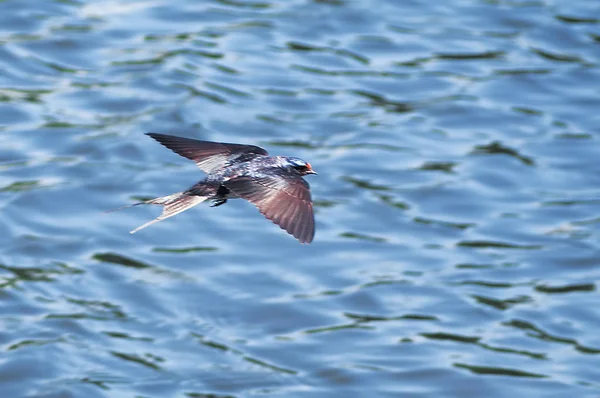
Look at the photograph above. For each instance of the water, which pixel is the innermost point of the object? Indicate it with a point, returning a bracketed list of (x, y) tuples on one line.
[(457, 201)]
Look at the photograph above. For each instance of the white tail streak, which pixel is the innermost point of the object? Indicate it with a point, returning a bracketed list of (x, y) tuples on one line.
[(173, 204)]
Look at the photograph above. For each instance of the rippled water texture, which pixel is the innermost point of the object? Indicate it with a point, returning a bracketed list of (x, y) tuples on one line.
[(457, 201)]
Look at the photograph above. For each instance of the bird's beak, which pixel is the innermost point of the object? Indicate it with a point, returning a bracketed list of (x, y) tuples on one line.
[(310, 170)]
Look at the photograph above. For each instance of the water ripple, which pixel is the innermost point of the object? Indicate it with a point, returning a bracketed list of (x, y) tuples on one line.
[(456, 209)]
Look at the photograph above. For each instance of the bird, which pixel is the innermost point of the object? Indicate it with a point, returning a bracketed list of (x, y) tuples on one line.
[(274, 184)]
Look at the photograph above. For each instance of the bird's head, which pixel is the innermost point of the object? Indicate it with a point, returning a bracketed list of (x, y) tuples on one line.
[(299, 166)]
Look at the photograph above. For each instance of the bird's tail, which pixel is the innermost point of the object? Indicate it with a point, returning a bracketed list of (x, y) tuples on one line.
[(173, 204)]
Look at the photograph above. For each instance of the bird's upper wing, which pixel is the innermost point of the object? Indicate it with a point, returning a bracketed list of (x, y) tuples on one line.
[(207, 155), (282, 198)]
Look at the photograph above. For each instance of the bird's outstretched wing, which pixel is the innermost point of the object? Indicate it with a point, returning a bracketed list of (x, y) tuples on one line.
[(207, 155), (282, 198)]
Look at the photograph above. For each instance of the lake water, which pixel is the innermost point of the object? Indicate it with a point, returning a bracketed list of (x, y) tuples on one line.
[(457, 250)]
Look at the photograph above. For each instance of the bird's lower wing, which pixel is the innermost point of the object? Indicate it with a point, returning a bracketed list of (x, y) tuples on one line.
[(284, 201)]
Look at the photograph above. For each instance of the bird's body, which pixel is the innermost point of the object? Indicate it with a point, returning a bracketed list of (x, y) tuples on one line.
[(273, 184)]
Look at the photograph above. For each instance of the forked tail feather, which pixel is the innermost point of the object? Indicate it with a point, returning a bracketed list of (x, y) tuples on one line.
[(173, 204)]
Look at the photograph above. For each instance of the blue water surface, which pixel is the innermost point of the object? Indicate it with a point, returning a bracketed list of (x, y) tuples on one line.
[(457, 203)]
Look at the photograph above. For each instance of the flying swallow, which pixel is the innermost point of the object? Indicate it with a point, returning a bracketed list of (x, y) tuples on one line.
[(274, 184)]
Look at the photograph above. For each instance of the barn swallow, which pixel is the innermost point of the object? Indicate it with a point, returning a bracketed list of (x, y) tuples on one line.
[(274, 184)]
